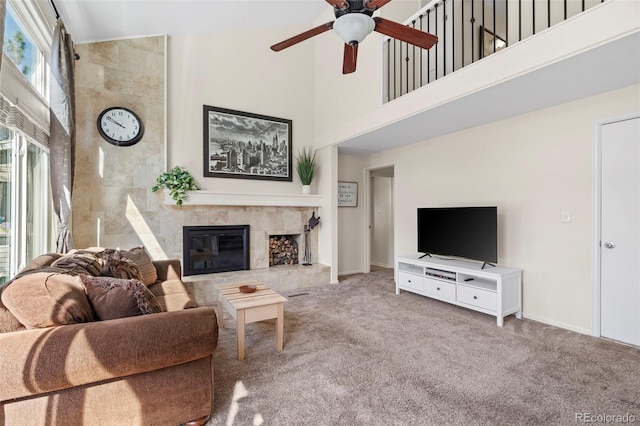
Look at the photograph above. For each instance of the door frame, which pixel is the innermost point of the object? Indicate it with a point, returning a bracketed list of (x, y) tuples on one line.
[(366, 267), (596, 284)]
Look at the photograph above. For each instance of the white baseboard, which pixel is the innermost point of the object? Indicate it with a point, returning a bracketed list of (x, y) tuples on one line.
[(558, 324), (382, 265), (355, 271)]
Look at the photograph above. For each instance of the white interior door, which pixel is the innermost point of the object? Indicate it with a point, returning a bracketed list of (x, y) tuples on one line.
[(620, 231)]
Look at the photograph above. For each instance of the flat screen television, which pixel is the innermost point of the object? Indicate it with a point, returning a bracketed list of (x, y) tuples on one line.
[(467, 232)]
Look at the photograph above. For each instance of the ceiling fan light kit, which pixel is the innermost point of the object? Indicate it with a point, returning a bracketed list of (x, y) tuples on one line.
[(354, 27), (353, 23)]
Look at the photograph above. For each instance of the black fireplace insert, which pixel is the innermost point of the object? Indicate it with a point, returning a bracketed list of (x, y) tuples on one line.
[(211, 249)]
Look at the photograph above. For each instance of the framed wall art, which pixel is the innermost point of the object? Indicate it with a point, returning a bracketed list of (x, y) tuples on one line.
[(490, 42), (242, 145), (347, 194)]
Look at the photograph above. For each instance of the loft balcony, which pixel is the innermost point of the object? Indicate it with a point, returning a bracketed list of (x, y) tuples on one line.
[(541, 59), (468, 31)]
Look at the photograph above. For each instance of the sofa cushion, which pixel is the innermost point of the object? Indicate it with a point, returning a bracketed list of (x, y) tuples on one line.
[(8, 321), (172, 295), (44, 299), (41, 261), (113, 298), (140, 257)]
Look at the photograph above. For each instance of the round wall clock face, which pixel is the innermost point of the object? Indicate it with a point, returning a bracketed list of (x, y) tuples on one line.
[(120, 126)]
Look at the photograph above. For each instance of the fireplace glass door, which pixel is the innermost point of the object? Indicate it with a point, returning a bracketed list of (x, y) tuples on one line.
[(211, 249)]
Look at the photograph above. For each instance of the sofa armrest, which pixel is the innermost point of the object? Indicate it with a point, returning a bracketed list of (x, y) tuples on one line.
[(169, 269), (51, 359)]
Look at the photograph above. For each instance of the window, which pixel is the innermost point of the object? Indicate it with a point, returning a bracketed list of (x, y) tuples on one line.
[(25, 203), (21, 50), (6, 205), (26, 210)]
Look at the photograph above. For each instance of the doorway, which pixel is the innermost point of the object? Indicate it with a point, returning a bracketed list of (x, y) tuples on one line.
[(380, 215), (617, 230)]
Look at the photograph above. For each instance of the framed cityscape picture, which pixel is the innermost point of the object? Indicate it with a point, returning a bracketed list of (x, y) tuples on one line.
[(242, 145)]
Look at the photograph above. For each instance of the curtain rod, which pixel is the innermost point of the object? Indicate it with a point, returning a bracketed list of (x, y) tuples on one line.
[(55, 11)]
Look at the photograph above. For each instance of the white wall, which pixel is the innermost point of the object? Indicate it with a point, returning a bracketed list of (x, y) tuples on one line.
[(351, 220), (532, 167), (237, 71)]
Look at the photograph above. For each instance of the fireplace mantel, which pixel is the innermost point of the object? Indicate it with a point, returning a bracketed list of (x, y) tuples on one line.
[(226, 199)]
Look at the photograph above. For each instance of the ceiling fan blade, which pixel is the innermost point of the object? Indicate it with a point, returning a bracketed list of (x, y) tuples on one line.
[(404, 33), (376, 4), (350, 58), (302, 36), (340, 4)]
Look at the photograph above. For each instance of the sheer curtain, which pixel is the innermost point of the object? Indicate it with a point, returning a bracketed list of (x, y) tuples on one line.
[(62, 139)]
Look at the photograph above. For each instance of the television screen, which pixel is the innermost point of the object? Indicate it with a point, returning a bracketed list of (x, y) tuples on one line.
[(469, 232)]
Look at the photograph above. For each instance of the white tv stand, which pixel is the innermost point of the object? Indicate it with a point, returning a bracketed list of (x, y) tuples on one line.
[(493, 290)]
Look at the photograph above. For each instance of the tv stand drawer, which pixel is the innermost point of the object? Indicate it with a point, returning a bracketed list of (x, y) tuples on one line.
[(477, 297), (440, 289), (411, 281)]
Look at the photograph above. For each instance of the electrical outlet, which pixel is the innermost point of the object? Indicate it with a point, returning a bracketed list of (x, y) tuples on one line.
[(566, 216)]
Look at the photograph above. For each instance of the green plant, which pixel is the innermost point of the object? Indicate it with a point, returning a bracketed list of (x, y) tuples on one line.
[(306, 165), (178, 181)]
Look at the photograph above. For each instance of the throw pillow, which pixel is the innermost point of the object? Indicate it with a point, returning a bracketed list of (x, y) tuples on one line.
[(118, 266), (44, 299), (140, 257), (79, 262), (113, 298)]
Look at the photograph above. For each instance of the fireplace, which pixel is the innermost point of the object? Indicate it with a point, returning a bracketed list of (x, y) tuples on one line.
[(212, 249)]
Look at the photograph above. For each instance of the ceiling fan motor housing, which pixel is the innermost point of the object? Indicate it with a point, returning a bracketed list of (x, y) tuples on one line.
[(354, 7)]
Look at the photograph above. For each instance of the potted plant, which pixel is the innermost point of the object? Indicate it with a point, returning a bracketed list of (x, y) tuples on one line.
[(178, 181), (306, 167)]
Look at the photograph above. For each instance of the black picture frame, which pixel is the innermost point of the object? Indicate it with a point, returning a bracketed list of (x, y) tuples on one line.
[(242, 145), (487, 40)]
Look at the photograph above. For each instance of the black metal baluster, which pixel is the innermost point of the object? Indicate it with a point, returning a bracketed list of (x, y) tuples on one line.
[(453, 35), (565, 10), (483, 28), (583, 5), (436, 46), (406, 59), (519, 20), (533, 7), (395, 71), (421, 52), (506, 23), (473, 33), (388, 70), (464, 62), (548, 13), (413, 65), (495, 33), (444, 36), (400, 67), (428, 51)]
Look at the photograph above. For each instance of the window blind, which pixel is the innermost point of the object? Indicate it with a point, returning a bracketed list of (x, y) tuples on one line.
[(13, 118)]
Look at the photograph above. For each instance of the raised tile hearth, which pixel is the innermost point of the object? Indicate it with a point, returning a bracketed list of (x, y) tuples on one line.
[(279, 278)]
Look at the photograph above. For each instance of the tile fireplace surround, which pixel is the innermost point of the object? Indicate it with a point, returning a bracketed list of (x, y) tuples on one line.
[(263, 221)]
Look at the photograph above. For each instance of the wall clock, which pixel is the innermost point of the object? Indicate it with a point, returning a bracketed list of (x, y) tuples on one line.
[(120, 126)]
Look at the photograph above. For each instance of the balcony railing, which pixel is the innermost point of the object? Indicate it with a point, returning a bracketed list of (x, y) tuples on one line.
[(468, 31)]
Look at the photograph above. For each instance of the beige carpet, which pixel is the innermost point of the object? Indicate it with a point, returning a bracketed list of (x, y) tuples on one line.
[(357, 354)]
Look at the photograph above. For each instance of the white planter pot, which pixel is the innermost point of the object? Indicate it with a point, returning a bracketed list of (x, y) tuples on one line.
[(306, 189)]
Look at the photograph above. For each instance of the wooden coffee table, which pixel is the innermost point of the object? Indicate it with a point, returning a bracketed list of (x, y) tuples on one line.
[(245, 308)]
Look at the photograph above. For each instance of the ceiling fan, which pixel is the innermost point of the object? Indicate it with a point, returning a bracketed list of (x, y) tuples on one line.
[(353, 23)]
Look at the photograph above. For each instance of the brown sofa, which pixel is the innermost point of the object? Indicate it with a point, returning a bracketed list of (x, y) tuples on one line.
[(153, 369)]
